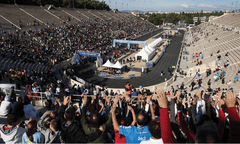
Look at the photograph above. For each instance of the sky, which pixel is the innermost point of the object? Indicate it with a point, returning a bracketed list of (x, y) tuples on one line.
[(172, 5)]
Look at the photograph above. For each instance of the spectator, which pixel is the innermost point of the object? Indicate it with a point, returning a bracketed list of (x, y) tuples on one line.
[(226, 63), (29, 110), (209, 82), (128, 88), (134, 93), (93, 127), (48, 95), (236, 78), (18, 107), (155, 130), (133, 134), (176, 88), (70, 128), (13, 131), (12, 95), (6, 106), (53, 133), (32, 135)]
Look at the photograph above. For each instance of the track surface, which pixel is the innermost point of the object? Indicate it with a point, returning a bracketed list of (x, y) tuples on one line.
[(153, 77)]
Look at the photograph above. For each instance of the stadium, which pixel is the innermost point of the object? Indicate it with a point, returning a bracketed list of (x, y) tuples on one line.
[(86, 72)]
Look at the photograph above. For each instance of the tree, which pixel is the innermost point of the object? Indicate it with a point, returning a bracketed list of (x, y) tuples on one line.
[(198, 22)]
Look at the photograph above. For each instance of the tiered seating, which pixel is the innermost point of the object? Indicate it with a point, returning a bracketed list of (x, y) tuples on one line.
[(229, 20), (6, 25), (16, 16), (42, 15), (76, 14), (7, 63), (63, 16), (228, 41)]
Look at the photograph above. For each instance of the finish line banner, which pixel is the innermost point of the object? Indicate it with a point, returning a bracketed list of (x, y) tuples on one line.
[(90, 54)]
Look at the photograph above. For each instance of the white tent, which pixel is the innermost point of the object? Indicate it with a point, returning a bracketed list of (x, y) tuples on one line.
[(144, 54), (148, 50), (155, 43), (108, 64), (118, 65)]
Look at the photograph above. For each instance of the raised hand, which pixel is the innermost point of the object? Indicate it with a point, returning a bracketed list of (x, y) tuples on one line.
[(104, 95), (101, 128), (116, 99), (129, 107), (199, 94), (162, 100), (30, 119), (154, 97), (108, 100), (149, 99), (195, 100), (178, 94), (139, 97), (231, 98), (220, 94), (220, 104), (48, 112), (85, 100), (66, 100), (179, 104)]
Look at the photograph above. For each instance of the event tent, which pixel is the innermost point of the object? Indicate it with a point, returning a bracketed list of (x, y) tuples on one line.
[(118, 65), (148, 52), (108, 64), (155, 43), (143, 54)]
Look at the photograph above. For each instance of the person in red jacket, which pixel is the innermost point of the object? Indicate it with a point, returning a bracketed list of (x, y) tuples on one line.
[(234, 120), (166, 130), (207, 131)]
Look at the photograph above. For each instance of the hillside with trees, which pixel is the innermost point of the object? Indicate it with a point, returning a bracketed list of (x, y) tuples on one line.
[(88, 4), (158, 19)]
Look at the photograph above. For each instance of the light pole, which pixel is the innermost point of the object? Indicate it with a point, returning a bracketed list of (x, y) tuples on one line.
[(109, 4), (236, 5)]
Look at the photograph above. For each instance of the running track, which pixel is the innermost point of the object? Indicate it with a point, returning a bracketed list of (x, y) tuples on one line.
[(153, 77)]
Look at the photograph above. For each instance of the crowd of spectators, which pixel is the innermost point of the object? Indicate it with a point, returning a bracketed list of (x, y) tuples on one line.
[(148, 117), (51, 45), (100, 116)]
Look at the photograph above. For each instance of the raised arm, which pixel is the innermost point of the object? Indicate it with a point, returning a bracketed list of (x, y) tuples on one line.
[(151, 108), (133, 115), (86, 128), (166, 131), (40, 121), (114, 119), (183, 123), (234, 120), (194, 109), (221, 121), (62, 108)]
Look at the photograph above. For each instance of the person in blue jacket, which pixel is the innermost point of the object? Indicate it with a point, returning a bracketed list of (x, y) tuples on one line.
[(32, 136)]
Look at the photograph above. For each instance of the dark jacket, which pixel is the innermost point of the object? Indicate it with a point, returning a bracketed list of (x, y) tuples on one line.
[(74, 132), (103, 138)]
